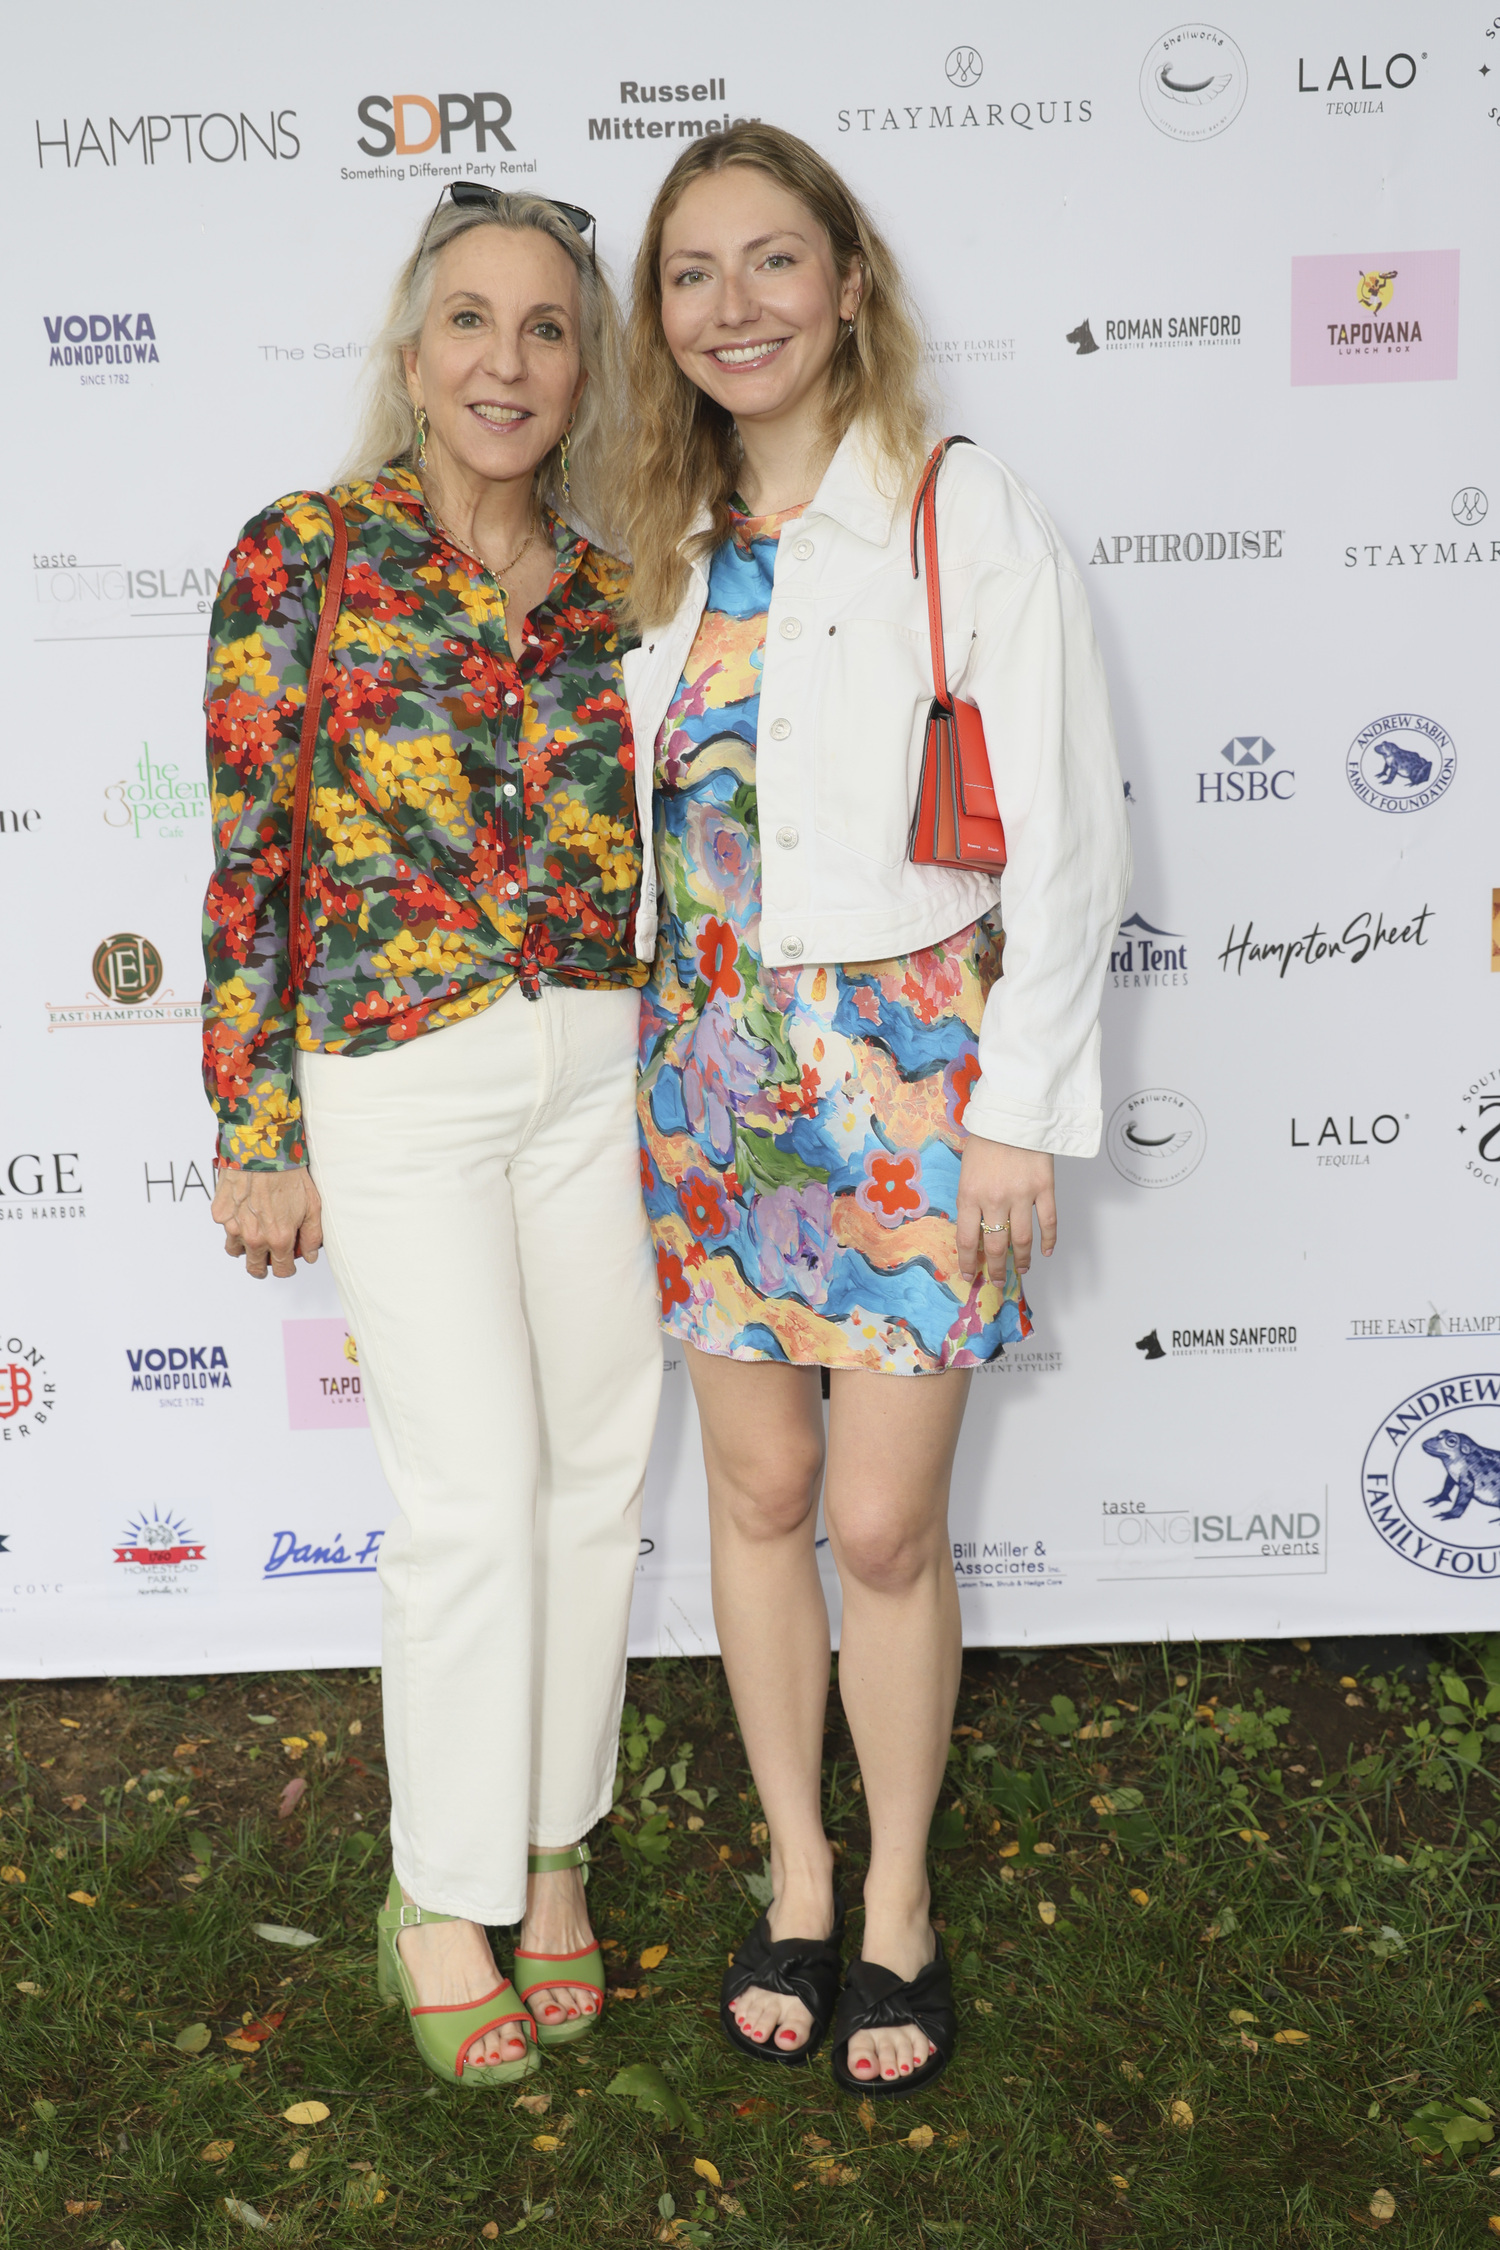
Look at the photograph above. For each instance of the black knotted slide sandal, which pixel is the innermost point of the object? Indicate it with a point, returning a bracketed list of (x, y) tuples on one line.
[(805, 1969), (876, 1999)]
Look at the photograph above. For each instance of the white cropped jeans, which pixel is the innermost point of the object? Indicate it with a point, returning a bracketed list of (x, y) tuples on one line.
[(483, 1217)]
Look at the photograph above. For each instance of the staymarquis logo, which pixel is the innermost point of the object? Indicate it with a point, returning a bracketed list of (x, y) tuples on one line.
[(1345, 1143), (1348, 96), (1479, 1127), (1146, 955), (408, 125), (1431, 1478), (1431, 1327), (1158, 332), (1143, 1539), (963, 67), (1156, 1138), (156, 802), (159, 1554), (28, 1393), (174, 1182), (41, 1186), (186, 136), (1468, 508), (1193, 82), (75, 600), (1386, 318), (1187, 546), (291, 1557), (324, 1390), (100, 339), (128, 973), (1401, 764), (1248, 782), (170, 1369), (1219, 1342), (1365, 936), (640, 117)]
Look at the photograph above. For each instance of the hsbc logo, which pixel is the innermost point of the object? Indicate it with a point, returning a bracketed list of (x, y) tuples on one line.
[(410, 124)]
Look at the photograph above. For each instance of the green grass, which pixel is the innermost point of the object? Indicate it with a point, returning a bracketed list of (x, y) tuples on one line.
[(1295, 1855)]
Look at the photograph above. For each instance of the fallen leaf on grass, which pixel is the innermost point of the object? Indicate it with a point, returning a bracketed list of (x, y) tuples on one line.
[(306, 2113), (866, 2114), (707, 2171), (624, 1992), (535, 2105), (1240, 2015), (82, 1898), (489, 2232), (1045, 1851), (1046, 1911), (1129, 2070), (80, 2210), (246, 2213), (984, 2007), (546, 2142), (1009, 1851), (192, 2039), (32, 1991), (1290, 2038), (644, 2084), (70, 1722), (1382, 2205), (293, 1745), (1493, 2223), (1461, 2126), (1118, 2181), (278, 1933), (291, 1797), (214, 2152), (75, 1804), (46, 2111), (759, 2108), (815, 2141), (1252, 1835), (297, 2161), (732, 2206), (1181, 2115), (920, 2136), (1251, 2046), (654, 1956), (1142, 1898), (12, 1874)]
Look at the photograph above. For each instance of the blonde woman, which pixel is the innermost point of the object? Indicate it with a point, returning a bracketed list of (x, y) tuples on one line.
[(451, 1104), (848, 1116)]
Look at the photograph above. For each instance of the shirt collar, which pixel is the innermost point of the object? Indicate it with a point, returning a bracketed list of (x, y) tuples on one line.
[(402, 488), (851, 493)]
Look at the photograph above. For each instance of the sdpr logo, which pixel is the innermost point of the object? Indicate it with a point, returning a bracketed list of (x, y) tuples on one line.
[(394, 130)]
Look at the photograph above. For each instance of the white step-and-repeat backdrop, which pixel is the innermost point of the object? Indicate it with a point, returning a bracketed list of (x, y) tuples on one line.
[(1226, 294)]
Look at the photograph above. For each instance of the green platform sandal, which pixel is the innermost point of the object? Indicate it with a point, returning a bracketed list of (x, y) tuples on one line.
[(585, 1968), (445, 2034)]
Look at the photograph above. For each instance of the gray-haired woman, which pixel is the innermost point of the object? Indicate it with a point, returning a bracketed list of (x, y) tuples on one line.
[(449, 1101)]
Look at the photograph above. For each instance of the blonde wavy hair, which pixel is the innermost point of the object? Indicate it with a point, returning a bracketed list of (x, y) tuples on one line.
[(685, 451), (388, 425)]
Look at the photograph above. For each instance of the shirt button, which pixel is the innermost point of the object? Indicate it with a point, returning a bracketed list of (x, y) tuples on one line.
[(803, 549), (510, 695), (780, 729), (790, 628), (512, 889), (792, 948), (788, 839), (510, 789)]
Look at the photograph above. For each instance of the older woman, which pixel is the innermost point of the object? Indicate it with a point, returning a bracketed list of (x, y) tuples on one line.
[(448, 1101), (848, 1115)]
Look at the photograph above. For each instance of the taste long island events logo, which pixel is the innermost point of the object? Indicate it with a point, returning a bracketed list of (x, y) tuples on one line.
[(1193, 82), (1431, 1478), (159, 1555), (1156, 1138), (1272, 1538), (1391, 317), (128, 973), (28, 1394), (86, 600), (1401, 763)]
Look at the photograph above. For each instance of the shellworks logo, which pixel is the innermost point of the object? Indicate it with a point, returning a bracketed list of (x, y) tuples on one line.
[(1431, 1478), (1193, 82)]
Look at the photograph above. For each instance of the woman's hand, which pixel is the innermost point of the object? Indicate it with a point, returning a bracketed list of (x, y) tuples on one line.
[(999, 1183), (275, 1216)]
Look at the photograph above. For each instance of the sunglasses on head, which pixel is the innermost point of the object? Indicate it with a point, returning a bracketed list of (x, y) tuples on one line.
[(467, 193)]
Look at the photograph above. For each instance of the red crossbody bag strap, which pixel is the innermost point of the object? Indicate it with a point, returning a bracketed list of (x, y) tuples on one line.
[(926, 499), (317, 674)]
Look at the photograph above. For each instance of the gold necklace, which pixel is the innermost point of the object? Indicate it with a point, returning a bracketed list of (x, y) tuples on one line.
[(496, 570)]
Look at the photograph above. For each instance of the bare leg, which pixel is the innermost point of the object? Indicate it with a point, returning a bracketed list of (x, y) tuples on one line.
[(763, 1450), (557, 1921), (890, 1457)]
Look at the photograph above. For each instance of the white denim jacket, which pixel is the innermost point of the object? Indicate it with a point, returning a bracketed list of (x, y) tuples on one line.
[(843, 707)]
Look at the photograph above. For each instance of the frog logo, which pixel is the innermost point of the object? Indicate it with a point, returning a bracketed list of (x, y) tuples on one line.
[(1375, 290), (1453, 1532)]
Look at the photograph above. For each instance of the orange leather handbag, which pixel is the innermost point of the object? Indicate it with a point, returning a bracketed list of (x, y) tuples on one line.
[(957, 821), (298, 936)]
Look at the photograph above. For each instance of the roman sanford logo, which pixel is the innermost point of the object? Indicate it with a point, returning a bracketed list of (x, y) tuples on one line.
[(1401, 764), (28, 1395), (1431, 1478)]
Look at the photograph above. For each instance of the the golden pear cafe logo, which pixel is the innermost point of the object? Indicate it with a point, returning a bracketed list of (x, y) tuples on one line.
[(127, 971)]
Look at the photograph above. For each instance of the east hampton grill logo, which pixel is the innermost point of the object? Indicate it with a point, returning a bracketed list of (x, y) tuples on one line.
[(1431, 1478), (128, 973), (101, 339)]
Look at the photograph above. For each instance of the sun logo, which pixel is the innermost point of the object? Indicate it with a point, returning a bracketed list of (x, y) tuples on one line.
[(351, 1350), (1374, 291)]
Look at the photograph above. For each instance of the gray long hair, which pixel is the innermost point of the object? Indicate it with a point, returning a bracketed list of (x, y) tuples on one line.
[(388, 424)]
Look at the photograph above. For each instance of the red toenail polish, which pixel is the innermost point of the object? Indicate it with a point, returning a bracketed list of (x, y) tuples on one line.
[(905, 2067)]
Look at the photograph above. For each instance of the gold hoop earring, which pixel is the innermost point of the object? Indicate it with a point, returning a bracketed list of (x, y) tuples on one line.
[(567, 489), (421, 437)]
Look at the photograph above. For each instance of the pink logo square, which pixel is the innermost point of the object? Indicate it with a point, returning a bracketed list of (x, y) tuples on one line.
[(323, 1387), (1378, 317)]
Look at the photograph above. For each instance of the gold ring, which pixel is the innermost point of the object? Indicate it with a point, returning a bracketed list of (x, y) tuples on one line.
[(1001, 1226)]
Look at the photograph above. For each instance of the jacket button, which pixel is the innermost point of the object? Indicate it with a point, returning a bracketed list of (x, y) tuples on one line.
[(780, 729), (788, 839), (803, 549), (790, 628), (792, 948)]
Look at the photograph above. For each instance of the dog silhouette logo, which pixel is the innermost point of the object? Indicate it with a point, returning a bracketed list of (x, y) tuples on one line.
[(1083, 337), (1150, 1345)]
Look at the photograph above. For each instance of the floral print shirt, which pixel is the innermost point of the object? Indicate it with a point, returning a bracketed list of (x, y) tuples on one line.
[(472, 815)]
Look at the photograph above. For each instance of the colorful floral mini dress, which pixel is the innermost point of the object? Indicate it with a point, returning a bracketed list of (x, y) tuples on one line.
[(801, 1129)]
